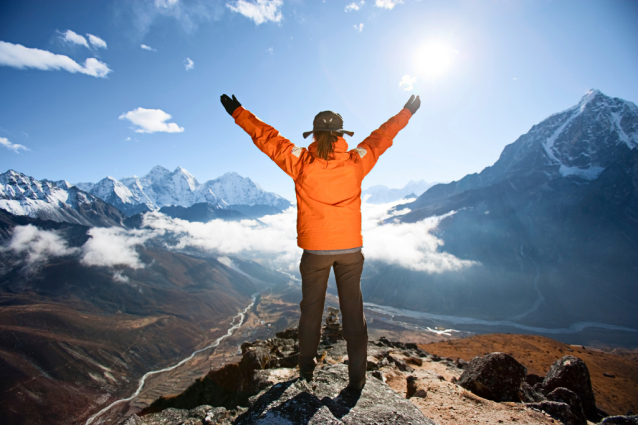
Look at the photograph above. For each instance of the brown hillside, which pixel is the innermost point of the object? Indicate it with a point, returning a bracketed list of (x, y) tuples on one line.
[(615, 395)]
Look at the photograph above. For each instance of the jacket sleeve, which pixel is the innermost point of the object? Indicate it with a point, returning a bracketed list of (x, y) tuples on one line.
[(381, 139), (285, 154)]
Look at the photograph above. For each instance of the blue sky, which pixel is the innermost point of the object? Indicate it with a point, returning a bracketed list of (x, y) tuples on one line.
[(486, 72)]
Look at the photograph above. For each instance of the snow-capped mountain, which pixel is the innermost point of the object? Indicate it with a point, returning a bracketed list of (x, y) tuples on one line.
[(552, 227), (381, 194), (23, 195), (162, 188)]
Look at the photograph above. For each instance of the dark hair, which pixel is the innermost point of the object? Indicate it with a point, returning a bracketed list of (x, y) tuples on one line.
[(325, 143)]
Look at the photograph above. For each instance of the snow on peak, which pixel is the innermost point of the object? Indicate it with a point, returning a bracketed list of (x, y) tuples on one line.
[(582, 139), (161, 187)]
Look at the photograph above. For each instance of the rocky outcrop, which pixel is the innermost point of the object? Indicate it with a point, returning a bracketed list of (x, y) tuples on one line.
[(556, 410), (495, 376), (572, 373), (620, 420), (326, 401), (563, 395), (264, 388), (332, 330)]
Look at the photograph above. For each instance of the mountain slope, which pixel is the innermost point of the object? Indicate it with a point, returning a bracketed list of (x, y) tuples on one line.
[(162, 188), (23, 195), (553, 224), (75, 337)]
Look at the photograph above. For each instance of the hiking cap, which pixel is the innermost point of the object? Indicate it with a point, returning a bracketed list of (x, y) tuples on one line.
[(328, 121)]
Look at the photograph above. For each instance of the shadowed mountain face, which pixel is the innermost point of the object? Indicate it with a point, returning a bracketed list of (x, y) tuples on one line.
[(553, 224), (74, 338)]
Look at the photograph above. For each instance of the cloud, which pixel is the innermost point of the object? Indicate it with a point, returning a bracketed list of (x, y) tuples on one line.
[(166, 4), (408, 82), (12, 146), (259, 11), (387, 4), (149, 48), (73, 38), (359, 27), (96, 41), (151, 121), (189, 14), (189, 64), (409, 245), (354, 6), (38, 245), (114, 246), (20, 57)]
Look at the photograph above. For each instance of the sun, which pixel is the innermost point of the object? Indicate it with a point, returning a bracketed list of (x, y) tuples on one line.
[(434, 59)]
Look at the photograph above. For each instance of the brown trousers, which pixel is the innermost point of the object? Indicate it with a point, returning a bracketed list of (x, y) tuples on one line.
[(315, 270)]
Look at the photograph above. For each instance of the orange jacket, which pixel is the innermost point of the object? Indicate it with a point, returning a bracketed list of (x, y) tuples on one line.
[(328, 192)]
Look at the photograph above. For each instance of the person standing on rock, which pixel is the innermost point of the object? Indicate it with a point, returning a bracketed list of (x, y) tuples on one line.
[(328, 180)]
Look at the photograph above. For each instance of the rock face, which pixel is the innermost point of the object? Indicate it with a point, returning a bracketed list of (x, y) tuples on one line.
[(325, 401), (572, 373), (22, 195), (332, 330), (560, 411), (563, 395), (620, 420), (495, 376), (264, 388)]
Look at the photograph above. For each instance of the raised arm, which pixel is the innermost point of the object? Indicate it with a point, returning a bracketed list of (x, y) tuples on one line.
[(381, 139), (284, 153)]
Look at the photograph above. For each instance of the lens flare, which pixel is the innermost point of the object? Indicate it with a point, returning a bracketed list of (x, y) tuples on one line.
[(434, 59)]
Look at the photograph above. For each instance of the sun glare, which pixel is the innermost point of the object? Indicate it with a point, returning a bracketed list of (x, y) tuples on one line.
[(434, 59)]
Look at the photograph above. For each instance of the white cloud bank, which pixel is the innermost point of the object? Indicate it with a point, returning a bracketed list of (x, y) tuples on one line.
[(189, 64), (12, 146), (387, 4), (359, 27), (151, 121), (20, 57), (149, 48), (114, 246), (38, 245), (408, 82), (409, 245), (259, 11)]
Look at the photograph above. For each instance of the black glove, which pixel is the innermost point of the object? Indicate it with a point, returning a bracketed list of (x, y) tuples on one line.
[(413, 104), (230, 104)]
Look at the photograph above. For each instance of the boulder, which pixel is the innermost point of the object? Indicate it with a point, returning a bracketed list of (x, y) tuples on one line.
[(414, 389), (557, 410), (527, 394), (495, 376), (332, 331), (620, 420), (290, 333), (572, 373), (563, 395), (326, 401)]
